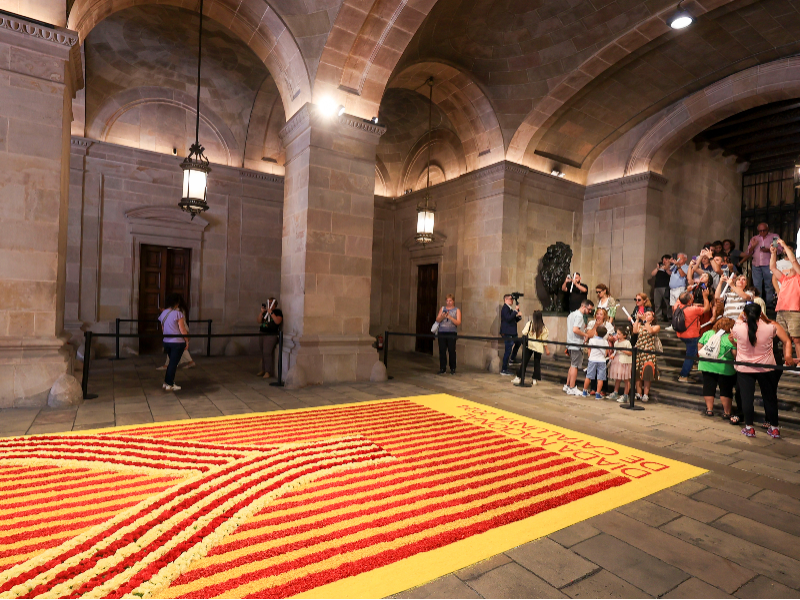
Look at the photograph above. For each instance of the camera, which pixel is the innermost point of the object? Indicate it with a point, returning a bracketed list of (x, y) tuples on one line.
[(516, 296)]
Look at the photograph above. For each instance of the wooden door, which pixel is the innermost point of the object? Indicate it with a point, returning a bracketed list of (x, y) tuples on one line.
[(427, 307), (162, 271)]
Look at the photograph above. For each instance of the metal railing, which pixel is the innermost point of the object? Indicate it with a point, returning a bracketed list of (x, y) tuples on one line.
[(118, 321), (523, 341), (90, 335)]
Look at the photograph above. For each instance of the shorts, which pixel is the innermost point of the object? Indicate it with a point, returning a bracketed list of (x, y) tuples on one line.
[(790, 321), (674, 294), (576, 358), (596, 370), (725, 383)]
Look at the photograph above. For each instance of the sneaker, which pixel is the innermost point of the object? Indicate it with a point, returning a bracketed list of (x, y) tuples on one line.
[(442, 372), (534, 382), (670, 328), (645, 398), (624, 399), (515, 381), (172, 388), (505, 373), (575, 392), (598, 396), (585, 393), (774, 433), (683, 380), (452, 371), (565, 389), (613, 396), (749, 431), (638, 397)]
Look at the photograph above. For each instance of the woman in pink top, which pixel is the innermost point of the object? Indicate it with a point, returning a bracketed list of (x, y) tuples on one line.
[(753, 337)]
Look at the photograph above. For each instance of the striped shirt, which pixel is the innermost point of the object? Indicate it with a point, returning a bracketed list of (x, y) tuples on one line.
[(734, 305)]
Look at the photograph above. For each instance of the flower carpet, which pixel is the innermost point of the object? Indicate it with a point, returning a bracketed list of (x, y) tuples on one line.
[(358, 500)]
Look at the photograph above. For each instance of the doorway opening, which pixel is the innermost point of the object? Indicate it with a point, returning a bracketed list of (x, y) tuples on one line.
[(427, 291), (163, 270)]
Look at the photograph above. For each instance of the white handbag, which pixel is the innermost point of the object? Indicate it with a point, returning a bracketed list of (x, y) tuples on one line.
[(435, 327)]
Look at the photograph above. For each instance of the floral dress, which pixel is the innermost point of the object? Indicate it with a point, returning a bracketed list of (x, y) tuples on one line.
[(645, 343)]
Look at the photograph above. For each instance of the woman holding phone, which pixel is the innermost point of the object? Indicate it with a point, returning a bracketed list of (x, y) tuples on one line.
[(449, 318), (269, 322)]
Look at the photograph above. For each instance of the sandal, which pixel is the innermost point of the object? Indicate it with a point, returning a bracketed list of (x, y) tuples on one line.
[(726, 416), (708, 413), (735, 419)]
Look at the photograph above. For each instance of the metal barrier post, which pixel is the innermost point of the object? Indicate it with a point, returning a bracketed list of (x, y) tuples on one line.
[(386, 350), (632, 398), (279, 383), (525, 359), (87, 357), (116, 340), (208, 346)]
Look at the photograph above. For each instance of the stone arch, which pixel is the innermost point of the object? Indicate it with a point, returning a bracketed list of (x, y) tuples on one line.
[(362, 50), (762, 84), (446, 152), (264, 150), (465, 104), (254, 21), (382, 179), (536, 123), (118, 105)]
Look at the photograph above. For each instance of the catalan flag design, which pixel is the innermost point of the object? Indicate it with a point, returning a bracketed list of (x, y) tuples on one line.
[(336, 501)]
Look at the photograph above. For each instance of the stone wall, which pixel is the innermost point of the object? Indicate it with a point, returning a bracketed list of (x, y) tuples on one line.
[(122, 197), (492, 228)]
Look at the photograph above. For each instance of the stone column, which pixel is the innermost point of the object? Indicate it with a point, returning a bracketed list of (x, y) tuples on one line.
[(39, 72), (327, 246)]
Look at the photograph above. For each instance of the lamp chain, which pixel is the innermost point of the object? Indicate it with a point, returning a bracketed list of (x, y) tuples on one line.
[(199, 59)]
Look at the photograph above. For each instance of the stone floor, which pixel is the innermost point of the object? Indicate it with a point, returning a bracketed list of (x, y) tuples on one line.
[(734, 531)]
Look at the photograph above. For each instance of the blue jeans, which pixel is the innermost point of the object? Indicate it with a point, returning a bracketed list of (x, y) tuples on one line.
[(174, 350), (509, 346), (691, 354), (763, 274)]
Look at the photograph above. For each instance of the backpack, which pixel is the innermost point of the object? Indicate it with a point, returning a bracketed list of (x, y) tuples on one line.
[(711, 348), (679, 319)]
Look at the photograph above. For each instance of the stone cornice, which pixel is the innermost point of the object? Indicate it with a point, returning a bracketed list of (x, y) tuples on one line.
[(81, 142), (262, 176), (56, 35), (647, 179), (309, 113)]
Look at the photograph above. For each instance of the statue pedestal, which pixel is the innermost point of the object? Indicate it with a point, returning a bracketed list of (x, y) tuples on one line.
[(556, 324)]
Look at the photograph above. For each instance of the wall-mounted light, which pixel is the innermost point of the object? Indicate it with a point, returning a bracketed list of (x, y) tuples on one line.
[(329, 107), (556, 173), (680, 19)]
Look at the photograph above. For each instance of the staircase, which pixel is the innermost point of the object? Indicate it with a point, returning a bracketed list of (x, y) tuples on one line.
[(688, 395)]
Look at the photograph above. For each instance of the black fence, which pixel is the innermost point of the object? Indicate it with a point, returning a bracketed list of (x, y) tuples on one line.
[(523, 340), (137, 321), (89, 336)]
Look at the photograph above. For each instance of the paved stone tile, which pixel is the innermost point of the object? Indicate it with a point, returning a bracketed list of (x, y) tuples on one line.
[(512, 581), (46, 417), (702, 564), (575, 534), (134, 418), (604, 585), (745, 490), (444, 587), (764, 458), (758, 533), (131, 407), (649, 513), (762, 560), (37, 429), (773, 472), (689, 487), (552, 562), (478, 569), (764, 587), (694, 588), (776, 485), (92, 426), (687, 506), (631, 564), (776, 500), (753, 510)]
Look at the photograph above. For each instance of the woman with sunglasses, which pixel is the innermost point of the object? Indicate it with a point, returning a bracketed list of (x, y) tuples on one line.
[(646, 366), (604, 300)]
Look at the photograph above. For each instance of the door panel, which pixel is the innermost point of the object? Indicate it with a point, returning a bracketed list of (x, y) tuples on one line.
[(427, 307), (162, 271)]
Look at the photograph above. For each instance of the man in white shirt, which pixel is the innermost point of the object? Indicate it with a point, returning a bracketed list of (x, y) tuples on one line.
[(576, 334)]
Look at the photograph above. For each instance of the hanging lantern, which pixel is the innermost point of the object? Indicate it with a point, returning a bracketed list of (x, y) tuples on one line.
[(195, 181), (426, 209), (195, 166), (425, 219)]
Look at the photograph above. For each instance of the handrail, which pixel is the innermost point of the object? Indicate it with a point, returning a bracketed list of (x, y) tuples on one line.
[(634, 351)]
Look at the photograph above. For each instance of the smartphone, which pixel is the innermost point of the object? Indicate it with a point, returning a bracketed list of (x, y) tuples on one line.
[(775, 243)]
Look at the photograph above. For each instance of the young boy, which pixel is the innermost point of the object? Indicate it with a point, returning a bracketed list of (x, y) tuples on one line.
[(597, 362)]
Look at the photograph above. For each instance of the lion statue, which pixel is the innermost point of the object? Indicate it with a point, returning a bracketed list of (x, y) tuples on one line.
[(554, 270)]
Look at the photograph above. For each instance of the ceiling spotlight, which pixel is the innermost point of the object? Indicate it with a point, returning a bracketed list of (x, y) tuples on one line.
[(680, 19), (556, 173), (375, 120), (329, 108)]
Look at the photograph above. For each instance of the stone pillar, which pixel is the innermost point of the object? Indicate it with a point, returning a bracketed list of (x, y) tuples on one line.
[(327, 246), (621, 233), (39, 72)]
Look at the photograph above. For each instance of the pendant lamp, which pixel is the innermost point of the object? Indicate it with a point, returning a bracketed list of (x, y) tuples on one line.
[(426, 209), (195, 166)]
